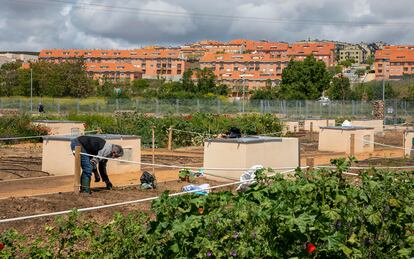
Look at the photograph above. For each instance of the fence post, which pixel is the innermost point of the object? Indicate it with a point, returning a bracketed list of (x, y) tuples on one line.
[(157, 111), (76, 180), (352, 145), (153, 149), (198, 105), (404, 138), (218, 106), (177, 106), (117, 104), (58, 106), (97, 106), (20, 105), (77, 105), (261, 107), (170, 138), (306, 109), (137, 105), (311, 131), (310, 163)]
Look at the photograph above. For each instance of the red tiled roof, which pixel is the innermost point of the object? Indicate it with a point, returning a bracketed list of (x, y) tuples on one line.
[(315, 48), (396, 54), (138, 53)]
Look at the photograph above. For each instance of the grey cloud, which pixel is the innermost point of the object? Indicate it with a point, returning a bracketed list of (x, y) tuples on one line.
[(38, 24)]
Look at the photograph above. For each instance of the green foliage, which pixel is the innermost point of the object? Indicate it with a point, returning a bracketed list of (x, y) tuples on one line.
[(201, 124), (373, 91), (275, 218), (347, 63), (264, 94), (360, 72), (304, 80), (19, 126), (49, 79), (340, 89)]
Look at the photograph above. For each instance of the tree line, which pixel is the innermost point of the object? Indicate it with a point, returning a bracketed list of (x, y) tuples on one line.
[(310, 79), (301, 80), (70, 79)]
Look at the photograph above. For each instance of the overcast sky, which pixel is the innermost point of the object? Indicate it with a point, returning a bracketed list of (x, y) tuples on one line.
[(39, 24)]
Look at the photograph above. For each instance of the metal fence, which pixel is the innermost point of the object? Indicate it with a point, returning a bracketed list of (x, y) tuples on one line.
[(394, 109)]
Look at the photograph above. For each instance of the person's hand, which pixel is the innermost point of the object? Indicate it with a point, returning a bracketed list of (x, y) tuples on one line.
[(94, 162)]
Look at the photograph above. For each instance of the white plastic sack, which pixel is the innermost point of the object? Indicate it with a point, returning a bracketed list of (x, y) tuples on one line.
[(247, 176)]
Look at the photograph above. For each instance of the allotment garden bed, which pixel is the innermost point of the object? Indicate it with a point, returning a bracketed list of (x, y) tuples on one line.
[(318, 214)]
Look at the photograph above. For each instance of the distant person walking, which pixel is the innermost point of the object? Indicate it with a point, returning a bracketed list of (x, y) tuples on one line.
[(41, 108)]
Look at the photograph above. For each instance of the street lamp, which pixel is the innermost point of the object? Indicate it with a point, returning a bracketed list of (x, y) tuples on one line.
[(31, 89), (243, 76)]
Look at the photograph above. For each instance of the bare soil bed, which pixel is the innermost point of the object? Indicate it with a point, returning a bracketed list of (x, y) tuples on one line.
[(21, 161), (16, 207)]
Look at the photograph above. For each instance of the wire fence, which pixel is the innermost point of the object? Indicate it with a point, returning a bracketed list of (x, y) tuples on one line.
[(394, 109)]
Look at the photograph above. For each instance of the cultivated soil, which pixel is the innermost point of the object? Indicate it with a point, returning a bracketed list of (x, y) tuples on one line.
[(21, 180)]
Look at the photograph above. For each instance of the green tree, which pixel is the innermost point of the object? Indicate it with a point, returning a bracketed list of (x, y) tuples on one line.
[(139, 86), (347, 63), (340, 89), (304, 79), (370, 60), (9, 79), (360, 72)]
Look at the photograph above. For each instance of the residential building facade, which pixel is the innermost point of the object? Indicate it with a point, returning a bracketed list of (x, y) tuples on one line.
[(322, 51), (152, 63), (394, 62), (353, 52)]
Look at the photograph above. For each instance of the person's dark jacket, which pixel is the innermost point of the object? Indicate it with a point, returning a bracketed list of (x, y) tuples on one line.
[(92, 145)]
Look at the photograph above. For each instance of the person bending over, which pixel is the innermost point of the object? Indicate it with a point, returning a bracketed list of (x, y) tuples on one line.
[(95, 146)]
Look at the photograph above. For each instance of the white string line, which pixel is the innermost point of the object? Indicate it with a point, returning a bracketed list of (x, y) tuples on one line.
[(192, 132), (124, 203), (43, 136), (180, 166)]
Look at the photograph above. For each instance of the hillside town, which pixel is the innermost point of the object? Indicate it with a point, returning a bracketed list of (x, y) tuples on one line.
[(253, 63)]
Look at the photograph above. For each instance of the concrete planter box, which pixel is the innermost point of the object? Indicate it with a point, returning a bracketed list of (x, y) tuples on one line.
[(317, 124), (378, 125), (338, 139), (290, 126), (57, 157), (408, 141), (57, 127), (247, 152)]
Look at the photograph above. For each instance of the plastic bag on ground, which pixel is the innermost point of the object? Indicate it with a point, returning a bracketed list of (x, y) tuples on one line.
[(201, 189), (249, 176)]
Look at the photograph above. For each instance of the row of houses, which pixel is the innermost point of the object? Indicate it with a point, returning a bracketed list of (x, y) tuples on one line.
[(254, 64)]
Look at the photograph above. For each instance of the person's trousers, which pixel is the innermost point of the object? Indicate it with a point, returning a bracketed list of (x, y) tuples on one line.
[(85, 160)]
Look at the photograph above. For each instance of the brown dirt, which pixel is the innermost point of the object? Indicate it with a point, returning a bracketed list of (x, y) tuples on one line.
[(25, 159), (21, 161), (24, 206)]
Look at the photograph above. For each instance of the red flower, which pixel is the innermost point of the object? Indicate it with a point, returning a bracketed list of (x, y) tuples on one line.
[(1, 246), (310, 248), (200, 211)]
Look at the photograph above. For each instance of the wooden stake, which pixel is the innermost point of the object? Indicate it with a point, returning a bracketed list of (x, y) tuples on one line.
[(310, 162), (311, 131), (76, 180), (352, 145), (153, 149), (170, 135), (404, 139)]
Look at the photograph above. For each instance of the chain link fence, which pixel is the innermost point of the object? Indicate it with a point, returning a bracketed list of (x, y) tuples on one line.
[(394, 109)]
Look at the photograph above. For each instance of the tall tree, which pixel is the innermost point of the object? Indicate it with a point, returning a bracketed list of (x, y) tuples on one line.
[(304, 79), (340, 89)]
